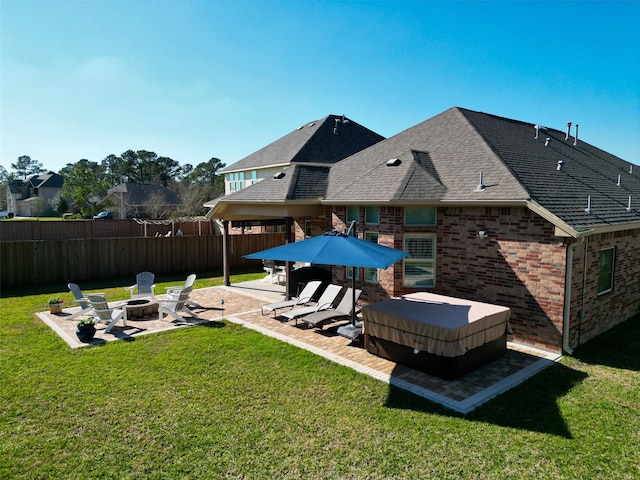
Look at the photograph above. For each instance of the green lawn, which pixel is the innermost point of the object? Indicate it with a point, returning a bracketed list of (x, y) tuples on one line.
[(226, 402)]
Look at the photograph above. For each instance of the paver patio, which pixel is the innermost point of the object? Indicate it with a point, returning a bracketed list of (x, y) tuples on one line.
[(241, 303)]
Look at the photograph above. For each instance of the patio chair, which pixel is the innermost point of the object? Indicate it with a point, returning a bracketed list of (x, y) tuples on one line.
[(104, 313), (325, 301), (78, 296), (307, 293), (171, 307), (144, 286), (273, 271), (330, 315), (174, 292)]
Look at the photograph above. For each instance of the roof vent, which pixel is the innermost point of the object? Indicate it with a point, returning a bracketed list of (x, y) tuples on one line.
[(630, 169), (311, 124), (575, 140), (547, 141), (560, 163), (537, 128), (279, 175), (566, 137), (629, 204), (394, 162), (619, 181), (481, 185), (588, 209)]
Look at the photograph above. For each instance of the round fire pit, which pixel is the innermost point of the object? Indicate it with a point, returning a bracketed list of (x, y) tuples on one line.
[(141, 309)]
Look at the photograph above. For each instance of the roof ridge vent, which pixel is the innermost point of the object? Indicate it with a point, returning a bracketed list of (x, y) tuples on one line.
[(481, 186), (393, 162)]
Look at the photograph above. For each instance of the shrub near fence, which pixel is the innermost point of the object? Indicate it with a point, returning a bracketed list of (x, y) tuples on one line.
[(31, 263)]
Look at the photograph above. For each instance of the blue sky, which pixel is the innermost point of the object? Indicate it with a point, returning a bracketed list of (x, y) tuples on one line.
[(199, 79)]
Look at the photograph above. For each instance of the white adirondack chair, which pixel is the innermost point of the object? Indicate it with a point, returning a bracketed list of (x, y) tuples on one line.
[(173, 306)]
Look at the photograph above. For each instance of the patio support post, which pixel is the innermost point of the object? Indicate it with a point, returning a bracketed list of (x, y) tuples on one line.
[(288, 231), (225, 252)]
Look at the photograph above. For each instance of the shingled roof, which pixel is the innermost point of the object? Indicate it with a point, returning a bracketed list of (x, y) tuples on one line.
[(328, 140), (442, 159), (463, 157)]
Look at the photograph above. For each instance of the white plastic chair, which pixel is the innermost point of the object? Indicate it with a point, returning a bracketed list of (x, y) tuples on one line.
[(78, 296), (144, 286), (171, 307), (103, 313), (174, 292)]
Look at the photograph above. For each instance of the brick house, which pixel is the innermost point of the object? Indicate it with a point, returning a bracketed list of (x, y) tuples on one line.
[(490, 209)]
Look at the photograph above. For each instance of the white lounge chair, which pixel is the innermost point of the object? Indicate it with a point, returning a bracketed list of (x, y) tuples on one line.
[(171, 307), (144, 286), (174, 292), (85, 307), (305, 297), (343, 310), (103, 313), (325, 301)]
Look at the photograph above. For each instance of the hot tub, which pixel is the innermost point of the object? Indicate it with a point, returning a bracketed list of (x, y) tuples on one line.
[(440, 335)]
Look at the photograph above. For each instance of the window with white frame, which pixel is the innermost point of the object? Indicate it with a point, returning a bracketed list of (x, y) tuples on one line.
[(419, 216), (419, 266), (372, 215), (605, 275), (371, 274), (353, 213)]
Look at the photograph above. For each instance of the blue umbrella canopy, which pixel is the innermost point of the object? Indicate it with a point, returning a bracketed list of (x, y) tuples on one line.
[(334, 248)]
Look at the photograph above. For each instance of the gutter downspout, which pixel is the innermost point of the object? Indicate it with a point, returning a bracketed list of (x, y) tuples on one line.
[(567, 299)]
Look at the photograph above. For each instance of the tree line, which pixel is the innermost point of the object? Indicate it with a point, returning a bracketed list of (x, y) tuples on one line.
[(86, 180)]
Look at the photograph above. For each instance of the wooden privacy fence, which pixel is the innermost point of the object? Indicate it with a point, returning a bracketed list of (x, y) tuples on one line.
[(17, 230), (30, 263)]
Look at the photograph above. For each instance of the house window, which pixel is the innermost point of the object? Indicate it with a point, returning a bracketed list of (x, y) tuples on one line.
[(605, 276), (348, 273), (419, 266), (372, 215), (353, 213), (420, 216), (254, 177), (307, 228), (371, 274)]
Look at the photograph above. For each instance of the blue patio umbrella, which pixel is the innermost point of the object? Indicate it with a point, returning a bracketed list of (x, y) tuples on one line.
[(335, 248)]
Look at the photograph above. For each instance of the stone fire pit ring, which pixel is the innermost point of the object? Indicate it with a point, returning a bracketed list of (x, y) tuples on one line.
[(141, 309)]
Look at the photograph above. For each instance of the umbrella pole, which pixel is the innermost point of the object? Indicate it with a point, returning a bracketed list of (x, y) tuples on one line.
[(353, 295)]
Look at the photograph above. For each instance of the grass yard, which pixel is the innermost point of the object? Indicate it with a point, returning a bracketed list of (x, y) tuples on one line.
[(228, 402)]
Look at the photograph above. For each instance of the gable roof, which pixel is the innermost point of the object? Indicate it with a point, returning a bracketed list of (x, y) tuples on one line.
[(327, 140), (47, 180), (143, 194)]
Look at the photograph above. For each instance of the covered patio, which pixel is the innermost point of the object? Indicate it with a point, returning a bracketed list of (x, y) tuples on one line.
[(242, 303)]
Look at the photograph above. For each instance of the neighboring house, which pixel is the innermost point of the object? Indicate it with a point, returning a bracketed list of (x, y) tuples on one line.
[(315, 144), (490, 209), (140, 200), (31, 197)]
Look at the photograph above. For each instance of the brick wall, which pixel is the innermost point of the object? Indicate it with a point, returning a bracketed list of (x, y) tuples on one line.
[(593, 313)]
